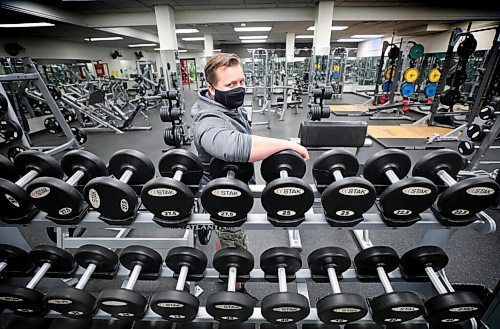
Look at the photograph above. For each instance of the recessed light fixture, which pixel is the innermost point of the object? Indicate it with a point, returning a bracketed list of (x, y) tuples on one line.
[(143, 45), (350, 40), (104, 39), (304, 36), (183, 50), (252, 37), (367, 36), (181, 31), (334, 28), (253, 29), (254, 41), (194, 39), (15, 25), (243, 24)]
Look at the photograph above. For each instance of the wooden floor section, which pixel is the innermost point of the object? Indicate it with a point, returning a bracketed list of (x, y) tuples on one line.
[(350, 108), (406, 131)]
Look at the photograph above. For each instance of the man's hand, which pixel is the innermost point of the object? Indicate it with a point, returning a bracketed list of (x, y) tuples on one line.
[(300, 150)]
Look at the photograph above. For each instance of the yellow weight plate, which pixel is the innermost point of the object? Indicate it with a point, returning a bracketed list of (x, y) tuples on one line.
[(434, 75), (336, 68), (411, 74), (389, 73)]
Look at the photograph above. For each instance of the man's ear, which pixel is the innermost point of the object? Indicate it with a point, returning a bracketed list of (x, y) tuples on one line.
[(211, 90)]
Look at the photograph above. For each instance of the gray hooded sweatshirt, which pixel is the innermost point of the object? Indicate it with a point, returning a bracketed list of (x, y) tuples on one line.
[(219, 132)]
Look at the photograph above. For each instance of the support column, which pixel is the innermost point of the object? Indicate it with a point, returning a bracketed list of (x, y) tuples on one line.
[(323, 27), (290, 47), (165, 23), (208, 51)]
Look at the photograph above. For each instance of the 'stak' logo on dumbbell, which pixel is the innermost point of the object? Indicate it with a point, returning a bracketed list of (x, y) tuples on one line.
[(40, 192), (288, 191), (11, 299), (162, 192), (351, 191), (480, 191), (226, 193), (59, 301), (228, 307)]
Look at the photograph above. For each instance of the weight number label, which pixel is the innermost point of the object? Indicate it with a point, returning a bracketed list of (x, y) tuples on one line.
[(229, 317), (170, 213), (10, 299), (75, 313), (59, 301), (338, 320), (344, 213), (346, 310), (65, 211), (417, 191), (228, 307), (226, 193), (402, 212), (480, 191), (124, 205), (354, 191), (286, 213), (460, 212), (463, 309), (286, 309), (177, 316), (284, 320), (393, 320), (40, 192), (226, 213), (170, 305), (450, 320), (94, 198), (125, 314), (405, 309), (289, 191), (12, 200), (114, 303), (162, 192)]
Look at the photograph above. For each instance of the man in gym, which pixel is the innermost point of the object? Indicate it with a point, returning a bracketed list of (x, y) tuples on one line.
[(221, 129)]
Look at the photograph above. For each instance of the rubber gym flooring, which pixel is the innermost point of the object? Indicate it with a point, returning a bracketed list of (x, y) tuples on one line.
[(473, 256)]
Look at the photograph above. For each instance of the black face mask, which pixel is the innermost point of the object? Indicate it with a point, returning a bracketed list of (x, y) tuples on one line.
[(232, 98)]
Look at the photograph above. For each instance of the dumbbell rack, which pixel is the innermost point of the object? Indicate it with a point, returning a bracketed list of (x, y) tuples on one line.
[(436, 234)]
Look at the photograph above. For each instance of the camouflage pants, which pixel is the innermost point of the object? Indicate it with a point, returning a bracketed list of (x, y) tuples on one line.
[(232, 238)]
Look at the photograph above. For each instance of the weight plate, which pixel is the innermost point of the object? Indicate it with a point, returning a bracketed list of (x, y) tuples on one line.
[(387, 86), (230, 306), (10, 130), (341, 308), (55, 92), (431, 163), (453, 307), (467, 46), (122, 303), (175, 305), (390, 73), (328, 92), (127, 159), (332, 160), (243, 171), (369, 259), (181, 159), (70, 302), (393, 52), (238, 258), (416, 51), (396, 307), (7, 169), (411, 74), (315, 112), (168, 137), (52, 125), (407, 89), (80, 135), (434, 75), (430, 90), (285, 307), (408, 198), (288, 160), (14, 151), (88, 163), (321, 259), (336, 75), (336, 68), (382, 161), (468, 197)]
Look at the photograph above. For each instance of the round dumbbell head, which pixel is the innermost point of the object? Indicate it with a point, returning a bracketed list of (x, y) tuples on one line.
[(14, 201), (122, 303), (287, 160), (168, 199), (396, 307), (80, 135), (61, 261), (104, 259), (286, 200), (243, 171), (453, 307), (56, 197), (79, 160), (112, 198), (230, 306), (341, 308), (369, 259), (175, 305), (71, 302), (7, 169), (285, 307), (41, 162), (239, 258), (468, 197), (148, 258), (127, 159), (349, 198), (180, 159), (465, 148), (193, 258), (22, 301), (487, 113), (321, 259), (415, 261), (467, 46), (431, 163), (228, 201), (475, 132), (14, 151), (379, 163), (16, 258), (332, 160), (276, 257), (408, 197)]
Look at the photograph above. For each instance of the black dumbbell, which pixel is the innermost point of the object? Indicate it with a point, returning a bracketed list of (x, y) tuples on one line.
[(124, 303), (7, 169), (60, 199), (280, 264), (344, 198), (26, 301), (339, 307), (14, 261), (75, 302), (467, 148), (406, 197), (476, 133), (392, 306), (15, 202), (168, 197), (489, 112), (461, 201), (227, 198), (234, 265), (446, 307), (178, 305), (286, 196), (116, 201)]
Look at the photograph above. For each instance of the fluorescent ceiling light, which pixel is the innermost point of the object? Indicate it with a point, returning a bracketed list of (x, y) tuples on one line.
[(252, 37), (254, 41), (367, 36), (143, 45), (219, 50), (334, 28), (180, 31), (253, 29), (183, 50), (304, 36), (42, 24), (194, 39), (350, 40), (104, 39)]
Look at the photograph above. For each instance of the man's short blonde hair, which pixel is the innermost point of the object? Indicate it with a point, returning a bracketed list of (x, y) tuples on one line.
[(219, 60)]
